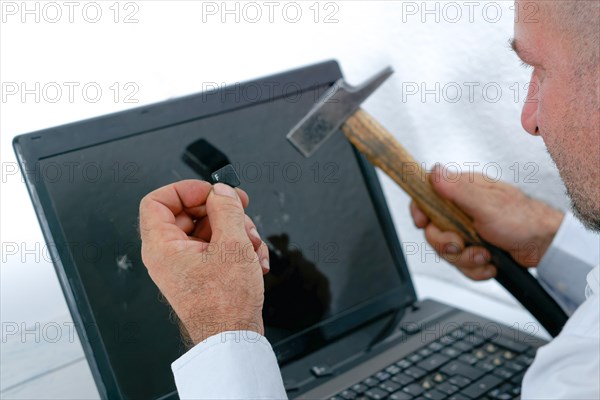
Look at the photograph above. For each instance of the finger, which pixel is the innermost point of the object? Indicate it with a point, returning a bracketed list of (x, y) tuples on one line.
[(471, 192), (252, 232), (200, 212), (444, 242), (160, 208), (474, 262), (264, 258), (476, 271), (243, 197), (226, 215), (187, 219), (420, 219), (261, 249), (184, 222), (203, 231)]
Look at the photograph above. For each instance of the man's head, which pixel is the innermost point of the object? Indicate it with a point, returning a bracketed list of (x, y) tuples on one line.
[(560, 40)]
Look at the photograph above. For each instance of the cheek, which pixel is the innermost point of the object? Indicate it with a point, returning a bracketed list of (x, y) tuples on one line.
[(552, 112)]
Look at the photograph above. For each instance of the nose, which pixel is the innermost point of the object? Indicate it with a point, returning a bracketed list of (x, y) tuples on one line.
[(530, 107)]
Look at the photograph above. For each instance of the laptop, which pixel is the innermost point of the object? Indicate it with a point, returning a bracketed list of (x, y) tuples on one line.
[(340, 307)]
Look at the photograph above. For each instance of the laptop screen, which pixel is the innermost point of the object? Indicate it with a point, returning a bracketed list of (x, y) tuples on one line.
[(330, 258)]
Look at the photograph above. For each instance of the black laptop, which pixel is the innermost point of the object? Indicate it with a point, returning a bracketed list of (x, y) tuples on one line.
[(340, 307)]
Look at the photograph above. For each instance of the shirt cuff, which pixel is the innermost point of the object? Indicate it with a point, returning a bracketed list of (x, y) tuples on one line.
[(229, 365), (572, 255)]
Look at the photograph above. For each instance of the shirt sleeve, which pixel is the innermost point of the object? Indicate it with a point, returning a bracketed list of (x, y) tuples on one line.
[(569, 366), (574, 252), (229, 365)]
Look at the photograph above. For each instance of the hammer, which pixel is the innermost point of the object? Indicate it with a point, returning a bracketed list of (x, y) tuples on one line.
[(339, 108)]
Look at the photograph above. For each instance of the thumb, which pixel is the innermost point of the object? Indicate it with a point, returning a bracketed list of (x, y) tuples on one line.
[(225, 214), (469, 191)]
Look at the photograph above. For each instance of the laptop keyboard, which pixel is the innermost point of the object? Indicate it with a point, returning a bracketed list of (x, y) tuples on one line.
[(462, 365)]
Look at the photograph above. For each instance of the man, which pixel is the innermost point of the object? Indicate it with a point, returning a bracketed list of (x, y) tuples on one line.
[(207, 258)]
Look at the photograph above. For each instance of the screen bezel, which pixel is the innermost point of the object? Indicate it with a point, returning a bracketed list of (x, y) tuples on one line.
[(33, 147)]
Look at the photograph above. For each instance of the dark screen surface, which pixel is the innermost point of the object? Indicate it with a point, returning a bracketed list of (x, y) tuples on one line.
[(328, 251)]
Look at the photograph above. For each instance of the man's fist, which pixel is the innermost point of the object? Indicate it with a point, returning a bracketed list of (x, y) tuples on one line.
[(502, 214), (205, 256)]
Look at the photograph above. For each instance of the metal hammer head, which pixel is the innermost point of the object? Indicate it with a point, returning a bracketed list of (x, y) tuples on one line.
[(330, 112)]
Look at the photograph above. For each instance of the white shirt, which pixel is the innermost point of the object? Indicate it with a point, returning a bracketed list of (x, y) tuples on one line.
[(242, 365)]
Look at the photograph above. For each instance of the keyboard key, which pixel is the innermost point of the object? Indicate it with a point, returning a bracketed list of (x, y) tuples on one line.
[(514, 366), (402, 379), (434, 395), (427, 384), (480, 387), (433, 362), (458, 397), (401, 396), (458, 333), (524, 359), (370, 382), (382, 376), (360, 388), (463, 346), (509, 355), (486, 366), (496, 395), (413, 389), (376, 394), (435, 346), (348, 395), (504, 373), (439, 377), (503, 392), (458, 368), (447, 388), (390, 386), (403, 364), (469, 359), (450, 352), (518, 378), (446, 340), (414, 358), (459, 381), (490, 348), (415, 372), (392, 370), (509, 344), (425, 352), (480, 354), (497, 361), (475, 340)]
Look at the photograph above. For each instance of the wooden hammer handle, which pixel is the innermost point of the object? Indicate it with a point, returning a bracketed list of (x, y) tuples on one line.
[(384, 151)]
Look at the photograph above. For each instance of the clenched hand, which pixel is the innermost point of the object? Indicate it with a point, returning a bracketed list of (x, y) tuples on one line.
[(502, 214), (205, 256)]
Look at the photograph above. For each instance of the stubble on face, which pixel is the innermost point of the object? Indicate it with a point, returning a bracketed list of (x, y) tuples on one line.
[(568, 111)]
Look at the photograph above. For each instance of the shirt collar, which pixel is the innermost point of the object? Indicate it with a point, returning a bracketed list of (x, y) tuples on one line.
[(593, 282)]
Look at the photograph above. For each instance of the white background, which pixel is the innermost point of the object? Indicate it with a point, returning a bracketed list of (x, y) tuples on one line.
[(177, 48)]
